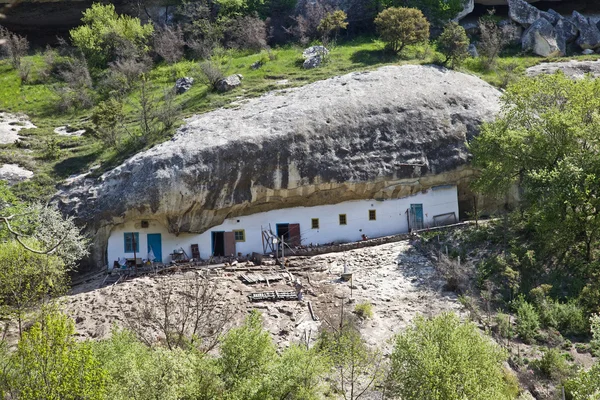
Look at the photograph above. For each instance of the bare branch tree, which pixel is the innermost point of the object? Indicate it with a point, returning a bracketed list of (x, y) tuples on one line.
[(186, 314)]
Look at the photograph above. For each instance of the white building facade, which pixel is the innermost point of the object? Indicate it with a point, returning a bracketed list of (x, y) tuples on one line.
[(343, 222)]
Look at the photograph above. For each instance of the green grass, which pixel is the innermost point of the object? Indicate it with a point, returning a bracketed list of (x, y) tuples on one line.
[(53, 157)]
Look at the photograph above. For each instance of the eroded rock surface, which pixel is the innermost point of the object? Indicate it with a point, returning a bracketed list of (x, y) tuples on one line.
[(383, 134), (573, 68)]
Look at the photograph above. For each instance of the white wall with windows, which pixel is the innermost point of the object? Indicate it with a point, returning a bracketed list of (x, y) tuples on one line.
[(343, 222)]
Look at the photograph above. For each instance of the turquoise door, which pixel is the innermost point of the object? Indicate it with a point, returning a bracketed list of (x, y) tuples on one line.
[(416, 213), (155, 244)]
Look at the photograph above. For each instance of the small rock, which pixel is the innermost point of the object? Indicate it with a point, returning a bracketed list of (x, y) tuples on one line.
[(79, 319), (256, 65), (312, 62), (183, 85), (587, 52), (540, 38), (314, 51)]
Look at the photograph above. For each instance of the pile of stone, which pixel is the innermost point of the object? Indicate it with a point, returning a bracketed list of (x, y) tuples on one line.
[(548, 34)]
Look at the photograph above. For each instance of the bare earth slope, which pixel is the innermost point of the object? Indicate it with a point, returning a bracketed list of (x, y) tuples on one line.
[(382, 134)]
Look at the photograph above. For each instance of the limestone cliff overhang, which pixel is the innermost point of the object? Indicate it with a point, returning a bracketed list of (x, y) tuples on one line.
[(386, 133)]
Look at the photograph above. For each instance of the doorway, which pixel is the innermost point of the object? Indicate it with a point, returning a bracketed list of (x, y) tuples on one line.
[(416, 217), (283, 230), (218, 244), (155, 245)]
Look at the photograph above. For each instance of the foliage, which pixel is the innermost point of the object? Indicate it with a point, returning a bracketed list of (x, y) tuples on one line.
[(50, 364), (439, 12), (545, 141), (246, 353), (108, 118), (14, 46), (444, 358), (553, 365), (332, 23), (504, 326), (528, 320), (586, 384), (454, 44), (364, 310), (104, 32), (401, 26), (135, 370), (169, 44), (492, 41), (211, 73), (568, 318), (357, 367)]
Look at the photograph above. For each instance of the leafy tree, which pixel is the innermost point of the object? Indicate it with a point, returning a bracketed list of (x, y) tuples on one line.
[(246, 356), (444, 358), (528, 321), (104, 33), (439, 12), (137, 371), (108, 118), (27, 280), (332, 24), (586, 384), (51, 364), (401, 26), (454, 44), (545, 141)]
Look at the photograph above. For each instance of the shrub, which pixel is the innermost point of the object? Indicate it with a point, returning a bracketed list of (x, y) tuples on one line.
[(169, 43), (332, 23), (528, 321), (15, 47), (504, 326), (454, 44), (108, 120), (401, 26), (105, 34), (438, 12), (444, 358), (491, 42), (553, 365), (246, 33), (211, 73), (364, 310)]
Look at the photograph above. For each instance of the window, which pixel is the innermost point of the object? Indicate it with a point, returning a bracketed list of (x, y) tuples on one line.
[(240, 235), (343, 219), (132, 238), (372, 215), (315, 223)]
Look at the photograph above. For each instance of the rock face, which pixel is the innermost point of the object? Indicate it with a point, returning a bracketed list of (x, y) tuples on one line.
[(524, 13), (383, 134), (540, 38)]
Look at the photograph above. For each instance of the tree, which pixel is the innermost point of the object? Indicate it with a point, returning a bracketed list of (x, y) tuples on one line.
[(14, 46), (108, 118), (444, 358), (357, 367), (586, 385), (247, 353), (332, 23), (491, 41), (51, 364), (439, 12), (545, 141), (169, 44), (104, 34), (454, 44), (401, 26)]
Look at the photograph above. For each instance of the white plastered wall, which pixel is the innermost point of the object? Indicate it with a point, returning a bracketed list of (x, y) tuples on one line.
[(391, 219)]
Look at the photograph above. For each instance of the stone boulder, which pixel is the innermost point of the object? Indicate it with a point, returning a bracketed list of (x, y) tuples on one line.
[(565, 29), (473, 50), (314, 56), (387, 133), (468, 7), (312, 62), (182, 85), (589, 35), (229, 83), (540, 38), (524, 13)]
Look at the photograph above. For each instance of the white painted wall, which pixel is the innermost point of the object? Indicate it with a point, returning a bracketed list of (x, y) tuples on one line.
[(391, 219)]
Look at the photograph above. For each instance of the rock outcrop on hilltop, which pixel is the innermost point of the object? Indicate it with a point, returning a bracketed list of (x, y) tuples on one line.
[(383, 134)]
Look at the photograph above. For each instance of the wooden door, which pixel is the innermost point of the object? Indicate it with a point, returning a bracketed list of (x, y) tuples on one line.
[(230, 244), (295, 239)]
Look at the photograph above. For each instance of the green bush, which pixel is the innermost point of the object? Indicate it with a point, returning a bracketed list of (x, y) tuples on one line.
[(553, 365), (364, 310), (454, 44), (528, 321), (401, 26), (504, 326), (446, 359)]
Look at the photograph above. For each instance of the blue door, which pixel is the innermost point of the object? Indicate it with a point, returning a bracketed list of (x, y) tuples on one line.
[(155, 244), (416, 213)]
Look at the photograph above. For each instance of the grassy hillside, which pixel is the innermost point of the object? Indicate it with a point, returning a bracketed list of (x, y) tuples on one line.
[(54, 158)]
